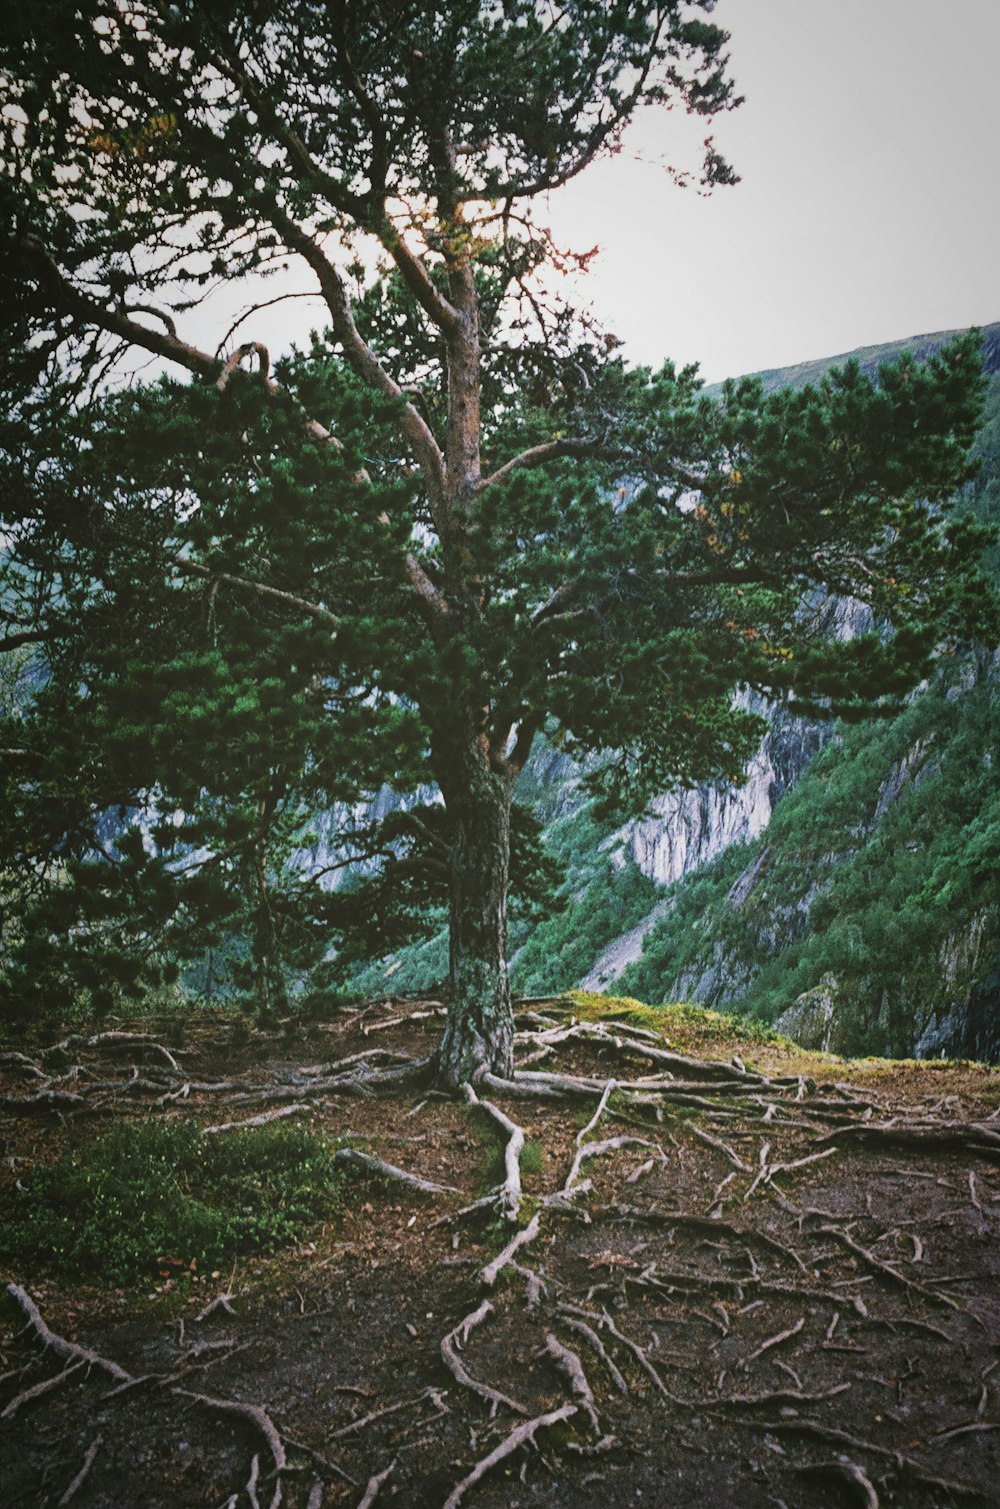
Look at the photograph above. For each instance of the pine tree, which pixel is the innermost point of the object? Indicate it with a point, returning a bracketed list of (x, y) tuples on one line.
[(459, 517)]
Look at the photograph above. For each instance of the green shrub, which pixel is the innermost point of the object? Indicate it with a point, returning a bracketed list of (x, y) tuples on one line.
[(150, 1191)]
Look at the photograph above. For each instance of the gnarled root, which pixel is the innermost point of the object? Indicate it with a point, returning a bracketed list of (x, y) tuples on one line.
[(522, 1435), (450, 1345)]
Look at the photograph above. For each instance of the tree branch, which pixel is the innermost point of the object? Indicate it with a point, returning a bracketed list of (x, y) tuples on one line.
[(539, 455), (244, 584), (15, 641), (249, 348), (359, 353), (66, 299), (718, 576), (358, 209)]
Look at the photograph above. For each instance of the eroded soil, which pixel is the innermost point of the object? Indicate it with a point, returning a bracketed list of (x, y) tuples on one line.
[(774, 1283)]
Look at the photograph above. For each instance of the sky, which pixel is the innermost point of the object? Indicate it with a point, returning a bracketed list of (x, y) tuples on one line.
[(868, 210)]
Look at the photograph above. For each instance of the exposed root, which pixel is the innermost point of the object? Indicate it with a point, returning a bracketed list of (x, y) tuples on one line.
[(604, 1322), (971, 1428), (251, 1486), (767, 1170), (260, 1419), (256, 1121), (220, 1302), (450, 1345), (372, 1165), (573, 1323), (38, 1389), (723, 1147), (374, 1484), (490, 1273), (700, 1299), (22, 1063), (852, 1474), (114, 1041), (81, 1476), (886, 1269), (44, 1100), (966, 1137), (522, 1435), (707, 1226), (390, 1409), (773, 1341), (903, 1464), (599, 1150), (509, 1194), (569, 1364), (536, 1288), (786, 1398), (59, 1344)]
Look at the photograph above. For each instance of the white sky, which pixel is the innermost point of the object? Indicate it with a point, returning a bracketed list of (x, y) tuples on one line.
[(870, 203)]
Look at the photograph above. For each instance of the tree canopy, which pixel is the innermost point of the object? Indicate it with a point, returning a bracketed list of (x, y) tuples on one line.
[(457, 518)]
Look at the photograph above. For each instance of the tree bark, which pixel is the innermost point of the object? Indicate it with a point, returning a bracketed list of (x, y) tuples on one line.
[(479, 1035)]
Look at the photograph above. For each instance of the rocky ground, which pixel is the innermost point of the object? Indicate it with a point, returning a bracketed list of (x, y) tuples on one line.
[(735, 1274)]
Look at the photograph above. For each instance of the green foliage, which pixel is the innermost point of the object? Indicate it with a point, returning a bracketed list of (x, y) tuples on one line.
[(454, 520), (872, 868), (601, 899), (145, 1191)]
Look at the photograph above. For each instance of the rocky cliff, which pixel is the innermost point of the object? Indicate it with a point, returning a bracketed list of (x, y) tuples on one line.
[(866, 917)]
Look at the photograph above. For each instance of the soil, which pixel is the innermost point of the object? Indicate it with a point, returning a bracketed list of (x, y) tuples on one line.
[(706, 1326)]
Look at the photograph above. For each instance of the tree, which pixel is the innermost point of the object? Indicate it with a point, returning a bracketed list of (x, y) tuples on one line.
[(459, 517)]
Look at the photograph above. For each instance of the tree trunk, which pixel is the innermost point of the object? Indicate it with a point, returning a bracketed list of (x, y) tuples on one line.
[(480, 1030)]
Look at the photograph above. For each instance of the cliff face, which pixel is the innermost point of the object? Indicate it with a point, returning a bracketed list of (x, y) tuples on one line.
[(866, 918)]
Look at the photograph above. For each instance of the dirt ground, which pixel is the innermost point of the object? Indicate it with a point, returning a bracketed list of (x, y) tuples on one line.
[(760, 1278)]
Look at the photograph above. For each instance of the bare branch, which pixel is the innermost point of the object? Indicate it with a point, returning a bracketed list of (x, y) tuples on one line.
[(15, 641), (359, 353), (314, 610), (249, 348), (539, 455), (67, 299)]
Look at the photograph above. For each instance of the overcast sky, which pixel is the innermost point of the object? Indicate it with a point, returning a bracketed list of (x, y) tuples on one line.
[(869, 207)]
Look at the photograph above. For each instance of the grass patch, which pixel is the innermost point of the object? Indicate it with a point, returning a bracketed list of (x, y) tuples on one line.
[(145, 1192), (494, 1168), (680, 1024)]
